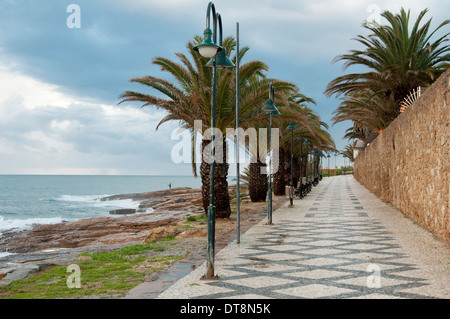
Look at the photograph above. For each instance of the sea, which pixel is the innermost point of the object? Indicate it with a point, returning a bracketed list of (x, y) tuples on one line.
[(30, 200)]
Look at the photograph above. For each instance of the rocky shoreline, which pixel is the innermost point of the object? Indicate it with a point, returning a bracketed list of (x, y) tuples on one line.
[(166, 207), (60, 243), (181, 198), (158, 214)]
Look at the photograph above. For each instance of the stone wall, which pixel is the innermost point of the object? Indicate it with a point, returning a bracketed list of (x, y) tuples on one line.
[(407, 165)]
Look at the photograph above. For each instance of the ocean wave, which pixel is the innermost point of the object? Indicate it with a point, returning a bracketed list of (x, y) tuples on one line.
[(24, 224), (5, 254), (79, 198), (94, 200), (77, 205)]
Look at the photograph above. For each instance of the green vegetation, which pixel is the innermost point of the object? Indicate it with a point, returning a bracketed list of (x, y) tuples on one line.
[(395, 58), (196, 218), (186, 97), (344, 169), (104, 275)]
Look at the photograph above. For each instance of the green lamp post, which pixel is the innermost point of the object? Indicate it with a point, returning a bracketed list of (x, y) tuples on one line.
[(210, 49), (321, 166), (316, 166), (291, 127), (271, 109), (238, 172), (329, 164), (308, 144), (335, 156), (301, 168), (221, 59)]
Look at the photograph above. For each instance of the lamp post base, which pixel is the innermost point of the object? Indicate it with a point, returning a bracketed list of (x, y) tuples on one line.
[(211, 239), (211, 278), (269, 207), (290, 194)]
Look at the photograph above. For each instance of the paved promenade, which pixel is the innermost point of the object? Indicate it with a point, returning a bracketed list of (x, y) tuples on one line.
[(338, 242)]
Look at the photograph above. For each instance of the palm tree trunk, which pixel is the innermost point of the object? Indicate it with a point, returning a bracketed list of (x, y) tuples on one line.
[(304, 158), (287, 169), (279, 176), (221, 195), (296, 171), (257, 184), (317, 162)]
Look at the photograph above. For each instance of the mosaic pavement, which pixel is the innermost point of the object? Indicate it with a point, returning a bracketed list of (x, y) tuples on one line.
[(332, 244)]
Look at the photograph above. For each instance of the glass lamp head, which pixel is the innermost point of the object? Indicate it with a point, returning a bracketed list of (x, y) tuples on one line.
[(222, 60), (207, 48), (291, 126), (270, 108)]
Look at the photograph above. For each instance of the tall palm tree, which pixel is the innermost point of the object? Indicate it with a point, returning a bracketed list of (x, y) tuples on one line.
[(258, 179), (348, 151), (188, 99), (398, 59), (360, 132), (309, 127), (374, 113)]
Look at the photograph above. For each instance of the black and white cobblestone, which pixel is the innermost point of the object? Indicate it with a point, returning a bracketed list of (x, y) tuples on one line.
[(338, 242)]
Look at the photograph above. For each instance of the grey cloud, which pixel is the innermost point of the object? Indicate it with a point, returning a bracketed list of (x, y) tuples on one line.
[(118, 40), (84, 128), (94, 61)]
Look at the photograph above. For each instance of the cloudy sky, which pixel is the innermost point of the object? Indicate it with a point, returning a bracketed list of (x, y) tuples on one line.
[(60, 76)]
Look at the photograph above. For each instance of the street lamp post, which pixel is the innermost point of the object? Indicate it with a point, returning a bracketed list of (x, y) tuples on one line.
[(210, 49), (306, 162), (311, 167), (308, 144), (335, 156), (321, 166), (270, 108), (316, 167), (329, 164), (292, 127), (301, 167), (313, 163), (238, 209)]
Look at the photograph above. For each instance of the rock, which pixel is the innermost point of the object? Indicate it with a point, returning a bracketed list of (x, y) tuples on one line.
[(151, 195), (197, 201), (87, 232), (126, 211), (84, 258), (192, 233), (161, 232), (169, 199), (172, 205), (19, 274)]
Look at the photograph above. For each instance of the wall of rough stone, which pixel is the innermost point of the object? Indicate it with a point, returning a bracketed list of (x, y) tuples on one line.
[(407, 165)]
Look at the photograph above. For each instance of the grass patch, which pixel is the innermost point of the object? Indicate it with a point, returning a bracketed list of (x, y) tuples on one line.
[(107, 275), (196, 218)]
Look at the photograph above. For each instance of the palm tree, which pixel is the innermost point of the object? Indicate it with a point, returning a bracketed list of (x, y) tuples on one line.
[(258, 181), (309, 127), (398, 59), (373, 113), (188, 100), (348, 151)]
